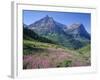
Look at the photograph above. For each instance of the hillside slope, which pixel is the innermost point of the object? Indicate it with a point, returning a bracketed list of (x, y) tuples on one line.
[(47, 55), (39, 53)]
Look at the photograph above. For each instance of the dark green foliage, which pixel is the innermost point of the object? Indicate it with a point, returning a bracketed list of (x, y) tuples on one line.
[(76, 44), (30, 49), (25, 65), (65, 63), (66, 41), (29, 35)]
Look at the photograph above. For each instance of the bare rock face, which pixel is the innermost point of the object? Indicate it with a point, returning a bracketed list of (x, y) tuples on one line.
[(78, 31)]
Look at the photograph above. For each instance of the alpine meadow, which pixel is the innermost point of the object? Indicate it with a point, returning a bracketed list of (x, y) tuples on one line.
[(56, 39)]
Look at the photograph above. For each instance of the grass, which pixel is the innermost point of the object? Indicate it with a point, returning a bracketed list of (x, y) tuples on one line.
[(46, 55), (85, 49), (39, 44), (85, 52), (31, 47)]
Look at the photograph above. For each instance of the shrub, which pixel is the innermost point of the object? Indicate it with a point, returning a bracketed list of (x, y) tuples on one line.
[(65, 63)]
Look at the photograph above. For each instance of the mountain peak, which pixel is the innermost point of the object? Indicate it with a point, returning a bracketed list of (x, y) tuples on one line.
[(48, 18), (76, 25), (78, 29)]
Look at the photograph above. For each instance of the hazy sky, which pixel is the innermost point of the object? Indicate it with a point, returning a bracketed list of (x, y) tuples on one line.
[(67, 18)]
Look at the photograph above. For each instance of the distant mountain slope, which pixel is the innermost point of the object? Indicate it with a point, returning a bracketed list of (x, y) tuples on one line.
[(47, 25), (31, 35), (74, 37), (78, 32)]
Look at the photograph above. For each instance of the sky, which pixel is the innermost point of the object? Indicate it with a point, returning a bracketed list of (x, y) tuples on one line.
[(66, 18)]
